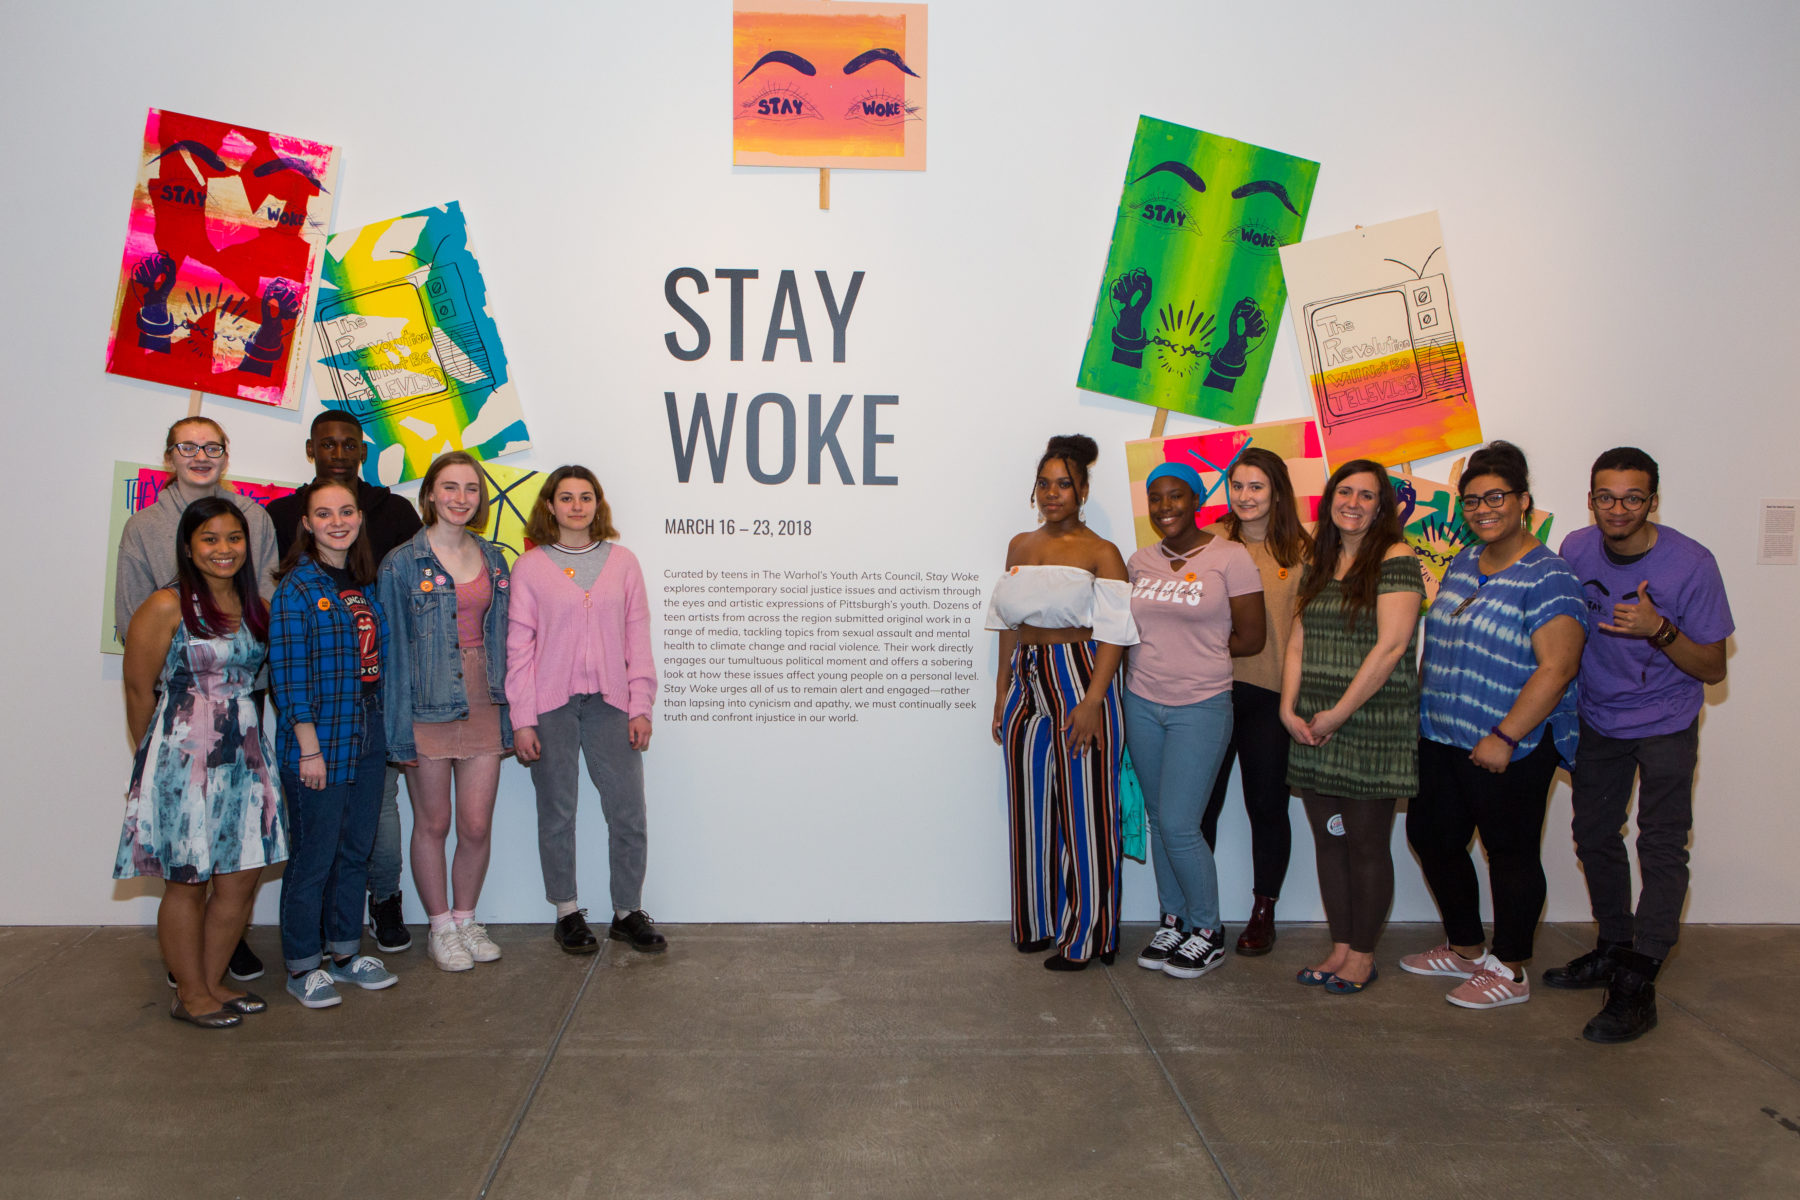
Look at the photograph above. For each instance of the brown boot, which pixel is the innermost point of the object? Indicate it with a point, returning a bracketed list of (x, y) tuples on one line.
[(1259, 934)]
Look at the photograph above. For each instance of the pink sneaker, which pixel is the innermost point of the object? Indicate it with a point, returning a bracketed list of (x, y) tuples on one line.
[(1441, 960), (1491, 987)]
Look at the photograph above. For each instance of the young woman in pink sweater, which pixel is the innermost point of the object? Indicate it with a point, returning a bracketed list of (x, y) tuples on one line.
[(580, 680)]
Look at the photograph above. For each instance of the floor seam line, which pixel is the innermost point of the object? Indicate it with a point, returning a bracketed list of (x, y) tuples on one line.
[(38, 966), (1193, 1122), (538, 1079)]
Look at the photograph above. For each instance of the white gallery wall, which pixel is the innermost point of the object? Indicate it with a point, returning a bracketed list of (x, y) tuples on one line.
[(1616, 184)]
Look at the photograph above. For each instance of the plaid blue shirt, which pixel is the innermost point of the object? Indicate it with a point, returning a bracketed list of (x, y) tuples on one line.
[(315, 668)]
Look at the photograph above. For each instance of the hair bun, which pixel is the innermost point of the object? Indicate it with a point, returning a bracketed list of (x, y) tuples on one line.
[(1078, 446)]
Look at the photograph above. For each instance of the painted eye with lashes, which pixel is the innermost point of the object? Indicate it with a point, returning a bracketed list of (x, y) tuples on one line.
[(779, 102), (1255, 237), (881, 108), (1166, 212)]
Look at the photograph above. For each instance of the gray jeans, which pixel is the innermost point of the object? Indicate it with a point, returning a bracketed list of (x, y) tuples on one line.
[(589, 725)]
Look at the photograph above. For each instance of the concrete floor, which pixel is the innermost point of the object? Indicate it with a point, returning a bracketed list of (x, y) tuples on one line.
[(892, 1060)]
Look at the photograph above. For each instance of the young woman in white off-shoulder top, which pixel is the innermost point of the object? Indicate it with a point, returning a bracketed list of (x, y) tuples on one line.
[(1063, 611)]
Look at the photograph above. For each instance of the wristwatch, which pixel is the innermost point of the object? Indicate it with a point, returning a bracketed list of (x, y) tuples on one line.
[(1665, 635)]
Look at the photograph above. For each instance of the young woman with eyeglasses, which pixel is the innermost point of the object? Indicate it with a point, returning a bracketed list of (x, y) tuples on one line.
[(1497, 712)]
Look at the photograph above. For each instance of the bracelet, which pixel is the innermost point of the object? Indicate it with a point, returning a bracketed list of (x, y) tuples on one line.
[(314, 754), (1511, 741), (1665, 635)]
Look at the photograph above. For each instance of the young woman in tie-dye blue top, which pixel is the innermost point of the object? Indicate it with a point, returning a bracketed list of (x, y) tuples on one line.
[(1503, 644)]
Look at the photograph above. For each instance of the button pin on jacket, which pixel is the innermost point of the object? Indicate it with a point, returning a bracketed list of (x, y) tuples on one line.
[(426, 586)]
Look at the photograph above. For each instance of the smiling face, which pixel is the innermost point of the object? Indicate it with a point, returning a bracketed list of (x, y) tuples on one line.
[(219, 547), (1251, 495), (1494, 524), (200, 471), (1354, 504), (1613, 491), (573, 506), (1172, 507), (1057, 496), (333, 519), (456, 494)]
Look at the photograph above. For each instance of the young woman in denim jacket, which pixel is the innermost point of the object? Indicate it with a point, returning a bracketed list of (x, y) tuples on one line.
[(444, 695), (328, 644)]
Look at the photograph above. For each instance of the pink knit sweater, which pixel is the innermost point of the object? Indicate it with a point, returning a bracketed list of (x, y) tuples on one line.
[(563, 642)]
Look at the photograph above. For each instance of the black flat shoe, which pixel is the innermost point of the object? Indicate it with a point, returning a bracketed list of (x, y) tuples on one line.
[(223, 1019), (573, 935), (247, 1004), (1056, 962), (637, 930), (1034, 946)]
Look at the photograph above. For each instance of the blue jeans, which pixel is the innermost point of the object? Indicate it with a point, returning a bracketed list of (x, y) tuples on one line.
[(330, 832), (1177, 750), (384, 858)]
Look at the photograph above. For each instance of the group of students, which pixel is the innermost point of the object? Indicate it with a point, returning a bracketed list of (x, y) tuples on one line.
[(1297, 653), (388, 640)]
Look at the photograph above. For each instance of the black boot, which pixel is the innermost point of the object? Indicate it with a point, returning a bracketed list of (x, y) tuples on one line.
[(1592, 970), (1630, 1010)]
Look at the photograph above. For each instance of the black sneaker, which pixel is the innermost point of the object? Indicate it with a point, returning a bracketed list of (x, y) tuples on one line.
[(385, 922), (1196, 956), (1164, 943), (245, 966), (573, 935), (636, 930), (1592, 970)]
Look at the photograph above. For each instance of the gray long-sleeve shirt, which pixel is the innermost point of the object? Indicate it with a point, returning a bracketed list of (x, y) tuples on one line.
[(147, 549)]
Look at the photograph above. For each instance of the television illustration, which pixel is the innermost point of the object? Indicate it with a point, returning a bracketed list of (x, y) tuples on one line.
[(1385, 349), (404, 344)]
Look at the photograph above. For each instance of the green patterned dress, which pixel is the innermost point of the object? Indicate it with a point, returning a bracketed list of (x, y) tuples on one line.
[(1376, 753)]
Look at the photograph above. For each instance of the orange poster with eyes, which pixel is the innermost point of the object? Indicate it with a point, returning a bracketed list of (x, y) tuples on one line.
[(828, 83)]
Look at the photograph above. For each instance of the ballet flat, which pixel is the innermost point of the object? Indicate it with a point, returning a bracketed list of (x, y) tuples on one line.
[(247, 1004), (223, 1019)]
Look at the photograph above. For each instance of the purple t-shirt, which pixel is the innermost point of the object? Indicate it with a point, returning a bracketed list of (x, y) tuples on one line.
[(1184, 621), (1629, 688)]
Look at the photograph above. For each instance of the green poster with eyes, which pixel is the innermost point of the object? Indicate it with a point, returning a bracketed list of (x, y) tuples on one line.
[(1192, 296)]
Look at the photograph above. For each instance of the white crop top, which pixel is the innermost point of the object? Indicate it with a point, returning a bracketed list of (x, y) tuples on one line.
[(1064, 598)]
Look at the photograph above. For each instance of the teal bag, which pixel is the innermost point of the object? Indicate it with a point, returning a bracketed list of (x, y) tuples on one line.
[(1131, 811)]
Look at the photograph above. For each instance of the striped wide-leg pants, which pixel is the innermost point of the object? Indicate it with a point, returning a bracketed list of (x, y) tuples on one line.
[(1064, 808)]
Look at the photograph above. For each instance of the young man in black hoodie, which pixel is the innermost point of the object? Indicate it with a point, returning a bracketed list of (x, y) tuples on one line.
[(336, 450)]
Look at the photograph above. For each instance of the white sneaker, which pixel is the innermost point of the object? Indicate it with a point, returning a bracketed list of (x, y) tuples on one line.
[(481, 947), (449, 951)]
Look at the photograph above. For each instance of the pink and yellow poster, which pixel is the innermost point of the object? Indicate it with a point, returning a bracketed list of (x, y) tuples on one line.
[(828, 83), (1212, 453), (1377, 326), (223, 245)]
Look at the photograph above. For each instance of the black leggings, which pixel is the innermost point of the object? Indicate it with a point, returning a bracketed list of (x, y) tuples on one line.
[(1259, 742), (1356, 869), (1456, 800)]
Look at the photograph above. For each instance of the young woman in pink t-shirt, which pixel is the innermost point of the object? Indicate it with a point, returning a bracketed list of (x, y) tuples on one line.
[(580, 681), (1197, 601)]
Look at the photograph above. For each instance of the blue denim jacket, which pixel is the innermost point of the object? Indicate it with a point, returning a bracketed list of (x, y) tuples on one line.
[(423, 680), (315, 669)]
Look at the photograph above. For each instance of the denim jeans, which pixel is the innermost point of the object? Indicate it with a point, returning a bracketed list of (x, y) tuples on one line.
[(384, 857), (1177, 750), (330, 833), (589, 726)]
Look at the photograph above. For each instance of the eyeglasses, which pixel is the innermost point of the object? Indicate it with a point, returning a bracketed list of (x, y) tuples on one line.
[(1631, 500), (1493, 499), (189, 449)]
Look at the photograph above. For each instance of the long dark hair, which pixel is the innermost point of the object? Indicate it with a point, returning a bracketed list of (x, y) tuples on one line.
[(1363, 581), (541, 526), (199, 612), (1287, 540), (360, 561)]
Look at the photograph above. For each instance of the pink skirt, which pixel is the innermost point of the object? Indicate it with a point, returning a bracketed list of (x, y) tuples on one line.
[(476, 735)]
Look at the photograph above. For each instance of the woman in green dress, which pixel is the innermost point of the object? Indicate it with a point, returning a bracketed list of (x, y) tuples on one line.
[(1350, 700)]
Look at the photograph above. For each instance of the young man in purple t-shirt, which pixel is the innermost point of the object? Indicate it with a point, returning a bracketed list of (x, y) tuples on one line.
[(1661, 623)]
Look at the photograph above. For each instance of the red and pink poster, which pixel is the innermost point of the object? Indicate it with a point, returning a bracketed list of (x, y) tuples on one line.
[(221, 257)]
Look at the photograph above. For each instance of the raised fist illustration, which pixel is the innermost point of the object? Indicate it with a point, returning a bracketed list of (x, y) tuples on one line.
[(1131, 292), (1245, 327), (156, 275), (281, 302)]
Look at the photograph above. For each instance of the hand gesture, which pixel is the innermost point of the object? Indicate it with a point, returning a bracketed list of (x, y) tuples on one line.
[(1131, 291), (1491, 754), (1325, 724), (1082, 727), (526, 744), (638, 730), (1228, 362), (156, 275), (1638, 619), (1297, 729), (1247, 320)]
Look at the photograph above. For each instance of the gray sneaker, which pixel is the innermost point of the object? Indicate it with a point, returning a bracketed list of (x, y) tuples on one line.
[(314, 989), (365, 972)]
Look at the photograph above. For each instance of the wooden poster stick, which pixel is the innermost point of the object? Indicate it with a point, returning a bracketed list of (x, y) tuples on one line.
[(194, 395), (1156, 422), (825, 187), (1456, 470)]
